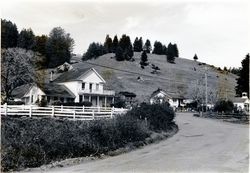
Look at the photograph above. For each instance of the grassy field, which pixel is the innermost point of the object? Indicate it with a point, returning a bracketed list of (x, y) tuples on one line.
[(178, 78)]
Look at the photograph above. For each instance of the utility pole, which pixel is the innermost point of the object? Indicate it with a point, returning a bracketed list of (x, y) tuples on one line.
[(206, 85)]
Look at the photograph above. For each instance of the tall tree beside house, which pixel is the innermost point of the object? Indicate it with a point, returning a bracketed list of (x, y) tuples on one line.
[(59, 47), (108, 44), (17, 68), (9, 34), (195, 57), (115, 43), (26, 39), (147, 46), (40, 45), (243, 80)]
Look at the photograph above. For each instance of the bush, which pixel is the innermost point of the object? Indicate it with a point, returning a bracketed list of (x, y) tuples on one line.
[(12, 102), (226, 106), (85, 103), (40, 141), (159, 116)]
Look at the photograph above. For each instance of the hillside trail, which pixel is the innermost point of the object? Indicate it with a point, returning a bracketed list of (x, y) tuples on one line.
[(201, 145)]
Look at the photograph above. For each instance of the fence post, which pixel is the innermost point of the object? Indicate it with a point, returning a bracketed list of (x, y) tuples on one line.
[(93, 114), (5, 109), (53, 111), (74, 114), (61, 108), (98, 108), (83, 108), (30, 112), (112, 112)]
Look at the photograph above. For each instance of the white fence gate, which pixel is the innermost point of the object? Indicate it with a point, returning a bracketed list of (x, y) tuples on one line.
[(73, 112)]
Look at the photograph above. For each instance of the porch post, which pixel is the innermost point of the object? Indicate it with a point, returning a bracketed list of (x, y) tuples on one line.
[(89, 98), (105, 101), (98, 101), (113, 100)]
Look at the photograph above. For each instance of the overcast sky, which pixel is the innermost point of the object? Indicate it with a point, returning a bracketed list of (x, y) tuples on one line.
[(217, 30)]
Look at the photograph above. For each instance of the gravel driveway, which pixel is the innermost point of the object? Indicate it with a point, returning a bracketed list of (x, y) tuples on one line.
[(201, 145)]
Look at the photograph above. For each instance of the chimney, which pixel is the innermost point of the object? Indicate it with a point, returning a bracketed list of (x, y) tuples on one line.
[(51, 76)]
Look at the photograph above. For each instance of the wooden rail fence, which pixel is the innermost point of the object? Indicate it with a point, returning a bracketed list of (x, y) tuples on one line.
[(74, 112)]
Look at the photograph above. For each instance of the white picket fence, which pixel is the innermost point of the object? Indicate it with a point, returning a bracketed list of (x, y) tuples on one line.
[(73, 112)]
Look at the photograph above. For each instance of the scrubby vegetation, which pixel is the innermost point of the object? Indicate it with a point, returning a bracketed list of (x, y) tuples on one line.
[(30, 142), (225, 106)]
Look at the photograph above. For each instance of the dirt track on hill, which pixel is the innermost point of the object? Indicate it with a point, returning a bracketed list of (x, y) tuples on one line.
[(201, 145)]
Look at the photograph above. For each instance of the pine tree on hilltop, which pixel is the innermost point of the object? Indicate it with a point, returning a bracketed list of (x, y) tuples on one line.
[(195, 57), (115, 44), (144, 58), (140, 44), (147, 46), (136, 45), (119, 54), (158, 48), (108, 44), (175, 50)]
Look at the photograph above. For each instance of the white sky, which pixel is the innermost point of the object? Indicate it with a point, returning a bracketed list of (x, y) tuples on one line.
[(217, 30)]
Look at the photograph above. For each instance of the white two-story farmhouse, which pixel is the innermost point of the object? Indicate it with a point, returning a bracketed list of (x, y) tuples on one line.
[(72, 86)]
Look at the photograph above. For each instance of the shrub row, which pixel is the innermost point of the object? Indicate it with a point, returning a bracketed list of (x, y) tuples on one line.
[(32, 142), (29, 142)]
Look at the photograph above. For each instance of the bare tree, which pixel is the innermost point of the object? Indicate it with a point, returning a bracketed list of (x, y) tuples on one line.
[(17, 68)]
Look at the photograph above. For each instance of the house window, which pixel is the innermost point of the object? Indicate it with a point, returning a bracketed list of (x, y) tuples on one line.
[(32, 98), (80, 98), (97, 87), (90, 87), (48, 99), (83, 86), (55, 98), (62, 99)]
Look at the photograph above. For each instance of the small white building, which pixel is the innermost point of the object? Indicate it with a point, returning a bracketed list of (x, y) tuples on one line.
[(72, 86), (161, 96), (242, 103)]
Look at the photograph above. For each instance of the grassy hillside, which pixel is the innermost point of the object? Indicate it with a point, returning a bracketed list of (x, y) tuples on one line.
[(178, 79)]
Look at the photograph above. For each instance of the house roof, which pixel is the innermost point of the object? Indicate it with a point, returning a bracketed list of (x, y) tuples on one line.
[(20, 91), (239, 100), (53, 89), (76, 74), (159, 91), (50, 89), (128, 94)]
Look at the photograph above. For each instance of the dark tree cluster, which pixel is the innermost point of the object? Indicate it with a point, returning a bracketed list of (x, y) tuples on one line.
[(243, 80), (144, 59), (94, 50), (56, 49), (138, 44)]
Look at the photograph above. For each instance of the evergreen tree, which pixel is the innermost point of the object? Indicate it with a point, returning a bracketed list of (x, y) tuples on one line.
[(40, 45), (158, 48), (9, 34), (175, 50), (136, 45), (127, 48), (171, 54), (115, 44), (164, 50), (243, 80), (58, 47), (140, 44), (108, 44), (119, 54), (26, 39), (94, 50), (144, 58), (147, 46), (195, 57)]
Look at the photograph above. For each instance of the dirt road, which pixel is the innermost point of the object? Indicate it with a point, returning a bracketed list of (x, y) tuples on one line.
[(201, 145)]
